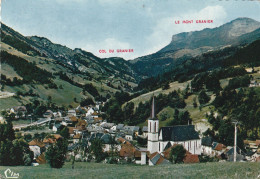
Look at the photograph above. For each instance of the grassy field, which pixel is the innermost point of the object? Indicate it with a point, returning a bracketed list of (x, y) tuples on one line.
[(146, 97), (95, 170)]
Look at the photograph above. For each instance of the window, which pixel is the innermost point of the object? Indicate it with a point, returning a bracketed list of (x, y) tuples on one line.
[(155, 127)]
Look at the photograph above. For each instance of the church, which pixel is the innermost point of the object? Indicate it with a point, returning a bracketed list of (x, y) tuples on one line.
[(161, 139)]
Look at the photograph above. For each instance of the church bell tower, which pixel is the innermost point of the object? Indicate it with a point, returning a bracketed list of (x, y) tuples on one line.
[(153, 130)]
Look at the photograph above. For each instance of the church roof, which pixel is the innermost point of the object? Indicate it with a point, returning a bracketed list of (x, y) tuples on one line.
[(207, 141), (179, 133)]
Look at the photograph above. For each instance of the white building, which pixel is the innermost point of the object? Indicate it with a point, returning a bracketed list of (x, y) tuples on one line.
[(153, 129), (160, 140), (182, 134), (35, 146), (72, 112)]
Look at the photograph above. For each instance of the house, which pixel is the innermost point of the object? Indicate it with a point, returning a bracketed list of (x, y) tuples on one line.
[(191, 158), (218, 149), (157, 159), (109, 143), (122, 141), (58, 119), (130, 131), (106, 125), (73, 119), (252, 145), (51, 139), (107, 140), (72, 131), (182, 134), (57, 114), (98, 120), (48, 114), (254, 83), (120, 127), (76, 138), (80, 110), (145, 131), (95, 129), (206, 146), (166, 152), (37, 147), (94, 114), (41, 159), (57, 127), (113, 128), (254, 157), (89, 112), (72, 112), (82, 123), (19, 111), (129, 151), (129, 135), (240, 156)]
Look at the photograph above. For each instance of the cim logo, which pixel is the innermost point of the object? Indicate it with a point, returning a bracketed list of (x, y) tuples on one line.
[(9, 174)]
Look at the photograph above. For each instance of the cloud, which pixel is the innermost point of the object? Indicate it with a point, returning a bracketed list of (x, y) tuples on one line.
[(110, 44), (166, 27)]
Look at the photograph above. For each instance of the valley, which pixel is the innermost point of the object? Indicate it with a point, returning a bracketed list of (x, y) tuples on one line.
[(198, 84)]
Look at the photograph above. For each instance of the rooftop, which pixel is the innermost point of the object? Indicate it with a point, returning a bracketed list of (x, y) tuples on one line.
[(179, 133)]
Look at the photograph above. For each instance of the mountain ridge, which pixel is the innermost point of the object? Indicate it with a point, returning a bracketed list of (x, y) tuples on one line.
[(187, 45)]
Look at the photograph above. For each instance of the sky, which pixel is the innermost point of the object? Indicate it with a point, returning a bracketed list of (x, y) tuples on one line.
[(145, 26)]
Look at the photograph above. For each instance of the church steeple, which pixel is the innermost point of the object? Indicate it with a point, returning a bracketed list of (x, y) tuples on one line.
[(153, 130), (153, 109)]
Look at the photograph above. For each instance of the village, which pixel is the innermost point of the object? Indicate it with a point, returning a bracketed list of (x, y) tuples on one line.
[(128, 144)]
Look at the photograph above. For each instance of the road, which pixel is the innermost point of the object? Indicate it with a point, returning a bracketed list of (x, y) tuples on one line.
[(36, 123)]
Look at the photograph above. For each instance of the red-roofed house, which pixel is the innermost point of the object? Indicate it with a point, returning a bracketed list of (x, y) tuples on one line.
[(36, 146), (191, 158), (157, 159), (41, 159)]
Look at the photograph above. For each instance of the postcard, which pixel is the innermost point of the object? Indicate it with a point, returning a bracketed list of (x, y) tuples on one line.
[(130, 89)]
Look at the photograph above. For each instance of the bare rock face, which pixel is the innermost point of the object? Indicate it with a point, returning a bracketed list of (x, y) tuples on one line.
[(224, 35), (191, 44)]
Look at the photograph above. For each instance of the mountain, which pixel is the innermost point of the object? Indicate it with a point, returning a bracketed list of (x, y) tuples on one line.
[(60, 68), (226, 34), (76, 59), (190, 44), (36, 68)]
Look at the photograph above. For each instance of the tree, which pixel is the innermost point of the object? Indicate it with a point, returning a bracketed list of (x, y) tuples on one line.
[(177, 154), (113, 153), (128, 110), (166, 86), (195, 102), (65, 133), (56, 153), (97, 149), (212, 83), (203, 97), (6, 131), (16, 152), (27, 137), (86, 102)]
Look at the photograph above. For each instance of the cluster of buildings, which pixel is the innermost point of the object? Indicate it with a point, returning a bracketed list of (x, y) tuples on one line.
[(222, 152), (85, 124)]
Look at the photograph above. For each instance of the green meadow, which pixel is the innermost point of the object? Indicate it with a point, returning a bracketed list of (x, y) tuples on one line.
[(99, 170)]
